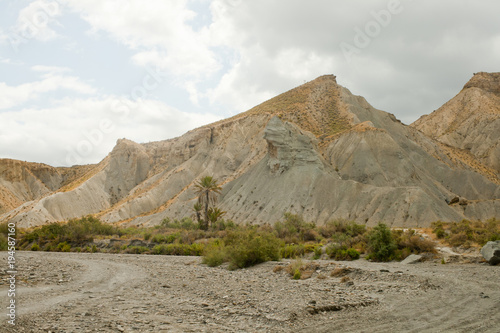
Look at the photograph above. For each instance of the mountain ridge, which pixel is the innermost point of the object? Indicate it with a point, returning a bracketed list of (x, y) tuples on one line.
[(316, 150)]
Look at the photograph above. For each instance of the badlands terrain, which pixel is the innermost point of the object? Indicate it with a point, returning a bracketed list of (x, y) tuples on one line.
[(84, 292), (316, 150)]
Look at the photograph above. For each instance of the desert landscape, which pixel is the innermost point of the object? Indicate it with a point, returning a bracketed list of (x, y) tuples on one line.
[(332, 164), (94, 292)]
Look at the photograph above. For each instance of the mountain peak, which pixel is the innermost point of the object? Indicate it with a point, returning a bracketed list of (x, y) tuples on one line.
[(489, 82), (315, 106)]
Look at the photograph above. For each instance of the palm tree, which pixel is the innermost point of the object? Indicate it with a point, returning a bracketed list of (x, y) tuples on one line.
[(214, 215), (207, 190), (197, 212)]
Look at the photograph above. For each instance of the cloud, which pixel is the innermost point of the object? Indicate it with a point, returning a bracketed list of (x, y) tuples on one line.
[(35, 21), (407, 67), (81, 131), (158, 30), (50, 69), (52, 80)]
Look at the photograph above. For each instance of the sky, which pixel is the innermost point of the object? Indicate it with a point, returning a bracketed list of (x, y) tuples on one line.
[(76, 75)]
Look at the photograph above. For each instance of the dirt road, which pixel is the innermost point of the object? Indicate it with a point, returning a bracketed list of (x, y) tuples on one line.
[(72, 292)]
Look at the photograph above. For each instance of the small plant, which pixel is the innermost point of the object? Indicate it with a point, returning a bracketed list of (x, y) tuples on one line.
[(136, 249), (35, 247), (64, 247), (381, 244), (318, 252), (340, 252), (215, 254)]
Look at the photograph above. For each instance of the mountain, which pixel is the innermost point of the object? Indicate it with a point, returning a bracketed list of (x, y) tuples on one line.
[(316, 150), (21, 182), (470, 121)]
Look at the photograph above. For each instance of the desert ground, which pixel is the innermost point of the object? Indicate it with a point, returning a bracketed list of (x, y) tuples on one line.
[(95, 292)]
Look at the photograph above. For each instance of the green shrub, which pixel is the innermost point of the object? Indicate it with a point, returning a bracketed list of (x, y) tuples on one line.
[(411, 241), (318, 251), (243, 248), (292, 251), (64, 247), (467, 233), (381, 245), (252, 247), (215, 254), (341, 252), (294, 226), (35, 247), (136, 249), (179, 249)]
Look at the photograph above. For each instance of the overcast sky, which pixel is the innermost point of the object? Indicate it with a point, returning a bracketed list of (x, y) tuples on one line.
[(76, 75)]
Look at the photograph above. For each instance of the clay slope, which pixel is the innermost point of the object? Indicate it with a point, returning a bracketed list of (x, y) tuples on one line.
[(470, 121), (21, 182), (316, 150)]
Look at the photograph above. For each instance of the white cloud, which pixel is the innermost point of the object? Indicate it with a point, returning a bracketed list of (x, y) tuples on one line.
[(80, 131), (52, 80), (159, 31), (35, 20), (50, 69)]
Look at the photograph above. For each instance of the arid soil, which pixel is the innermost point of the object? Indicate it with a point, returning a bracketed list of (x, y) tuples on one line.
[(72, 292)]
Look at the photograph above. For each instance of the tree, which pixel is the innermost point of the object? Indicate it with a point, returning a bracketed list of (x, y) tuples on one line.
[(207, 190), (214, 215), (197, 212), (381, 244)]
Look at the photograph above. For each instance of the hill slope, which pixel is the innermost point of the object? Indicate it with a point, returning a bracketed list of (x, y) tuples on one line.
[(315, 150), (470, 121)]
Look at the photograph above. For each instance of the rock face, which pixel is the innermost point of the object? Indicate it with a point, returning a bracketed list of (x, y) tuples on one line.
[(470, 121), (316, 150), (21, 182), (491, 252)]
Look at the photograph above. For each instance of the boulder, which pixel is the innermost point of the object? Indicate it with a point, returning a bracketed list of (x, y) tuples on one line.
[(412, 259), (491, 252)]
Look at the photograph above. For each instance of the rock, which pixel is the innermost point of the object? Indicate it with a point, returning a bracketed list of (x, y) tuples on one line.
[(491, 252), (412, 259)]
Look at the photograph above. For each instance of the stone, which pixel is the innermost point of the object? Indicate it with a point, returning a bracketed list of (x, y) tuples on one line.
[(412, 259), (491, 252)]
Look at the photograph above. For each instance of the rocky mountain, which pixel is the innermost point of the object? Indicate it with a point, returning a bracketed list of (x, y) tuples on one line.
[(470, 121), (316, 150), (21, 182)]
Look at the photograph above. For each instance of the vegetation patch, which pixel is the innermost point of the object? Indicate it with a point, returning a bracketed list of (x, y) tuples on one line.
[(467, 233)]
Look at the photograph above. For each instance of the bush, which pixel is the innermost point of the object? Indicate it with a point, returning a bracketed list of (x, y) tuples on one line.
[(292, 251), (35, 247), (294, 226), (64, 247), (348, 228), (339, 252), (178, 249), (412, 242), (215, 254), (318, 251), (468, 233), (243, 248), (381, 245), (252, 247), (135, 249)]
